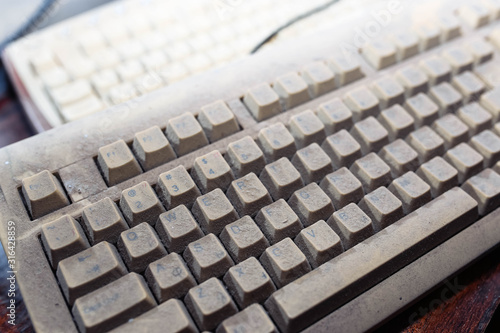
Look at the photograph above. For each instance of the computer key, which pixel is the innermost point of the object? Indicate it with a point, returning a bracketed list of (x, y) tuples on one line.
[(211, 171), (43, 194), (319, 78), (251, 319), (209, 304), (380, 53), (243, 239), (292, 90), (423, 110), (262, 101), (439, 174), (206, 257), (139, 246), (276, 142), (140, 204), (450, 27), (346, 70), (370, 134), (311, 204), (362, 102), (411, 190), (306, 128), (113, 304), (406, 44), (278, 221), (426, 143), (281, 178), (451, 129), (89, 270), (117, 163), (152, 148), (459, 59), (248, 195), (319, 243), (342, 148), (388, 91), (217, 120), (400, 157), (466, 161), (312, 163), (397, 121), (284, 262), (213, 211), (62, 238), (475, 117), (185, 134), (342, 187), (475, 15), (488, 73), (372, 171), (436, 68), (429, 34), (491, 102), (446, 97), (177, 228), (169, 277), (480, 50), (469, 86), (383, 207), (244, 156), (487, 144), (351, 224), (177, 187), (103, 221), (413, 80), (249, 283), (485, 189), (335, 115)]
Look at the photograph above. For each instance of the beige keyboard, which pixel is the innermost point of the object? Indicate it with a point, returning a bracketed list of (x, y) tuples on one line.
[(312, 186)]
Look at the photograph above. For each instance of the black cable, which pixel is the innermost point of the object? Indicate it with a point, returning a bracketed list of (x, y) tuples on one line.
[(293, 21)]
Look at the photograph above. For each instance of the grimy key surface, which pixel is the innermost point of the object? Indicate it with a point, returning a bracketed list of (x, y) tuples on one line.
[(352, 272)]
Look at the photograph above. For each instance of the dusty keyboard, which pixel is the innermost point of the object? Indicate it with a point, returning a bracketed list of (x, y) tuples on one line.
[(304, 188)]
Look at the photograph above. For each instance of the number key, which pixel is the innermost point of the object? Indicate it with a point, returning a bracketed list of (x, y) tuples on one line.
[(177, 187), (140, 204)]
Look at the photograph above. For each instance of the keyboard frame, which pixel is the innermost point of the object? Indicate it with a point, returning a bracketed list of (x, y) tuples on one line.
[(73, 147)]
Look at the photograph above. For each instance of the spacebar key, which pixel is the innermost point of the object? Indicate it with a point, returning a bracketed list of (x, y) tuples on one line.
[(308, 299)]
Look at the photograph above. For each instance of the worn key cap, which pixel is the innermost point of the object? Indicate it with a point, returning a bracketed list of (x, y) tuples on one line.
[(362, 102), (278, 221), (475, 15), (400, 157), (113, 304), (439, 174), (177, 187), (209, 304), (370, 134), (117, 162), (346, 70), (177, 228), (89, 270), (103, 221), (446, 97), (489, 73), (63, 238), (372, 171), (429, 34), (351, 224), (291, 89), (319, 78), (243, 239), (342, 149), (436, 68), (397, 121), (312, 163), (311, 204), (185, 134), (281, 178), (466, 161), (306, 128), (284, 262), (413, 79), (244, 156), (140, 204), (388, 91), (213, 211), (469, 86), (276, 142), (211, 171), (262, 101), (459, 59), (217, 121), (252, 319), (331, 285), (207, 258), (342, 187), (152, 148), (248, 282), (43, 194), (485, 189), (491, 102), (248, 195), (335, 115), (406, 44), (383, 207), (450, 27), (451, 129), (426, 143), (480, 49), (319, 243), (423, 110), (169, 277), (411, 190), (475, 117), (380, 53), (487, 144)]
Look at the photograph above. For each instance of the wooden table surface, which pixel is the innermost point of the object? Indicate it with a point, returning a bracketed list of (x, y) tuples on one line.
[(468, 302)]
